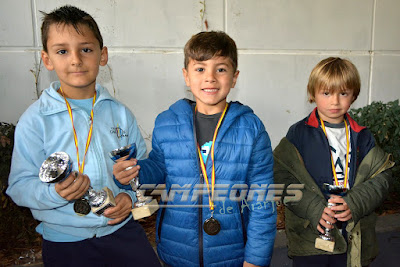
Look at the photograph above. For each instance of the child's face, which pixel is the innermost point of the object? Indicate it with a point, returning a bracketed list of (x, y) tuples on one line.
[(333, 105), (75, 58), (210, 82)]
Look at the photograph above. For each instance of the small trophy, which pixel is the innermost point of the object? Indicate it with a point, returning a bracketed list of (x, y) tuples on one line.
[(145, 206), (326, 241), (57, 167)]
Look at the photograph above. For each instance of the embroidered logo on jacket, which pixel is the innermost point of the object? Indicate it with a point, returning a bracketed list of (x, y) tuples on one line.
[(119, 132)]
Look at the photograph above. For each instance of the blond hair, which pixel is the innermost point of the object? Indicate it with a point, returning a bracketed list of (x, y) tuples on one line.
[(334, 74)]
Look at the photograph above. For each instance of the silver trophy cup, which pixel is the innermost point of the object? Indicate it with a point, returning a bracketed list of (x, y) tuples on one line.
[(145, 206), (326, 241), (57, 167)]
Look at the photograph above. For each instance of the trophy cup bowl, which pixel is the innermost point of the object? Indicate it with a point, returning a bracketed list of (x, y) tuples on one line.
[(123, 151), (326, 241), (144, 206), (57, 167), (334, 189)]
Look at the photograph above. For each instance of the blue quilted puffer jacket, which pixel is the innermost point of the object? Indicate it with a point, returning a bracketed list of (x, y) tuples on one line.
[(243, 157)]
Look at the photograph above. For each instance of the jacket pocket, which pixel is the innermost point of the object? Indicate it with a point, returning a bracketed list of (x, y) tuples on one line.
[(159, 225), (369, 240), (242, 224), (160, 220), (298, 230)]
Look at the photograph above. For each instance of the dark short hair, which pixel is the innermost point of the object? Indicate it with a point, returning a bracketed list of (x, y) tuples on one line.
[(333, 74), (69, 15), (206, 45)]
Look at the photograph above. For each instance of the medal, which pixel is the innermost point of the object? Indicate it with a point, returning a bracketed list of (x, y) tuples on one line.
[(211, 226), (82, 207)]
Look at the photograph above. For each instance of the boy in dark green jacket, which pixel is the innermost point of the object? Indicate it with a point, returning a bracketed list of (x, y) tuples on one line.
[(329, 147)]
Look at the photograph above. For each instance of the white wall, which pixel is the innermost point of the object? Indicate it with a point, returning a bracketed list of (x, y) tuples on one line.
[(279, 42)]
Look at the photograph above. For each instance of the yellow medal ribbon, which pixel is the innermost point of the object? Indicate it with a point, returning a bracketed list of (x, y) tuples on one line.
[(347, 154), (203, 166), (89, 138)]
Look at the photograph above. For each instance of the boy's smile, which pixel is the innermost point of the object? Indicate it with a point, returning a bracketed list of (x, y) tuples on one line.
[(333, 105), (75, 57), (210, 82)]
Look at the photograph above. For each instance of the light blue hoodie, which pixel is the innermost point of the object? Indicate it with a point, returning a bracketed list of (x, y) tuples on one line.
[(45, 128)]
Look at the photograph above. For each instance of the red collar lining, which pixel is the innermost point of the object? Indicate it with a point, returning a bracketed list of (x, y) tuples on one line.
[(313, 121)]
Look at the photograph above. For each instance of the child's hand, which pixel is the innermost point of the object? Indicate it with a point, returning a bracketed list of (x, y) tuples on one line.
[(125, 170), (246, 264), (327, 216), (73, 187), (343, 213), (122, 209)]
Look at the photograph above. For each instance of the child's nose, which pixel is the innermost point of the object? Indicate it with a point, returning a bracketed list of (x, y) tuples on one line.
[(210, 76), (76, 58), (335, 99)]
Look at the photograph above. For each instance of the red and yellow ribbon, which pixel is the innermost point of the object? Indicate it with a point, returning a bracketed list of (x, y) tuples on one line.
[(203, 166), (347, 155), (89, 137)]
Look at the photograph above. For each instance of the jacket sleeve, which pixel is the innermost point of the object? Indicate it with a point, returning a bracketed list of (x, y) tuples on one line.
[(368, 195), (261, 227), (24, 185), (311, 204), (137, 138), (152, 169)]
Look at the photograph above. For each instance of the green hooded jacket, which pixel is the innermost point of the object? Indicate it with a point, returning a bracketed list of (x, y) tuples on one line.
[(371, 187)]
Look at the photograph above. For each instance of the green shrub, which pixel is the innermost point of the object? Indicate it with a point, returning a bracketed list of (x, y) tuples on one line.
[(6, 146), (17, 227), (384, 122)]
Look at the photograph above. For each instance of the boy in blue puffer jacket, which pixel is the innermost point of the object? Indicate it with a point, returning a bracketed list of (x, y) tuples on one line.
[(74, 113), (214, 144)]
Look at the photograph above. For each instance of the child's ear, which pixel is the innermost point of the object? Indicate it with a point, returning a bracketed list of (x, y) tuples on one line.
[(186, 77), (235, 76), (104, 56), (47, 61)]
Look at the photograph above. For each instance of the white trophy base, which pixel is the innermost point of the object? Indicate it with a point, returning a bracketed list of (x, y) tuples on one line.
[(325, 245), (110, 202), (145, 211)]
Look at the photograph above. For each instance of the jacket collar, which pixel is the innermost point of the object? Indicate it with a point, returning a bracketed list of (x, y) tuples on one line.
[(184, 109), (186, 106), (52, 102), (313, 121)]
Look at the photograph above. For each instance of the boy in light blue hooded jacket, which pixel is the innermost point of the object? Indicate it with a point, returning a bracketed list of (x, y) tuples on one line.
[(77, 116)]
